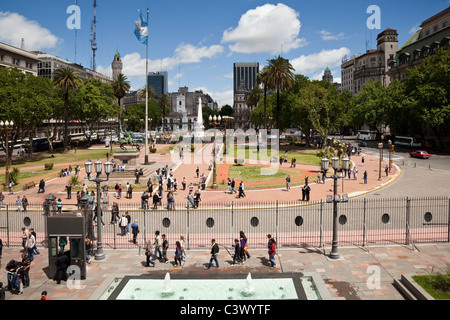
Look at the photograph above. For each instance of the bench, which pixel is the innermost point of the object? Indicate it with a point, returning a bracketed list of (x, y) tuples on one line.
[(29, 185)]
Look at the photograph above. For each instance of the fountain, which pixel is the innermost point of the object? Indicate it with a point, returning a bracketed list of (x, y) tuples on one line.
[(249, 290), (167, 291), (226, 287)]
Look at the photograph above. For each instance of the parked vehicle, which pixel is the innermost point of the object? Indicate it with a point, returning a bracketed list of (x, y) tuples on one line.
[(420, 154)]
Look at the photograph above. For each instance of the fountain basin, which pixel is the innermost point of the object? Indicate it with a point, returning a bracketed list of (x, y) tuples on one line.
[(214, 287)]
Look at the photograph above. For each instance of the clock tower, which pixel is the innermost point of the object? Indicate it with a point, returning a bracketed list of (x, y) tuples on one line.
[(116, 65)]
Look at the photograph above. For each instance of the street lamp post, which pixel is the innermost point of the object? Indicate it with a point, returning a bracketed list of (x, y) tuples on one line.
[(7, 126), (390, 152), (99, 255), (380, 147), (345, 166), (111, 122), (214, 121)]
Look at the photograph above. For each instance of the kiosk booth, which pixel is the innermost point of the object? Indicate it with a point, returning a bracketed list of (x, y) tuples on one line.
[(66, 234)]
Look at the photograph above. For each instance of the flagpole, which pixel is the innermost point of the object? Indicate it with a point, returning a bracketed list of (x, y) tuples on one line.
[(146, 98)]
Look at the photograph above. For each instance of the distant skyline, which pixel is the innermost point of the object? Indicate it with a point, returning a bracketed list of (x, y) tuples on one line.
[(198, 41)]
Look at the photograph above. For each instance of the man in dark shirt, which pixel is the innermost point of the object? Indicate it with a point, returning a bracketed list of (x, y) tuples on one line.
[(214, 253), (62, 263)]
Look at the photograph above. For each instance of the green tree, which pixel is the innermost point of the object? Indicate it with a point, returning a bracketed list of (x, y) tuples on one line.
[(429, 87), (164, 103), (263, 78), (120, 86), (280, 77), (67, 80)]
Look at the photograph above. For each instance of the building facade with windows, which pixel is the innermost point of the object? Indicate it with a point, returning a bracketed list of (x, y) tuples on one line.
[(13, 57), (434, 34), (244, 80), (372, 65), (159, 81)]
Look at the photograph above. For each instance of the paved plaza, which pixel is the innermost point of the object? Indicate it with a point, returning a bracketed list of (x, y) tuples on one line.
[(348, 278)]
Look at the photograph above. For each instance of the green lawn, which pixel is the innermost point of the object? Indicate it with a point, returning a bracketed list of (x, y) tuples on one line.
[(249, 173), (60, 159), (306, 157), (438, 286)]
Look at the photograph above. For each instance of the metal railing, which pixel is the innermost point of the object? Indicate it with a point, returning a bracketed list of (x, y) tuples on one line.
[(361, 222)]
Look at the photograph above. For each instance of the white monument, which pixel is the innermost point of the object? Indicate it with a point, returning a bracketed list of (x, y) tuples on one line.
[(199, 130)]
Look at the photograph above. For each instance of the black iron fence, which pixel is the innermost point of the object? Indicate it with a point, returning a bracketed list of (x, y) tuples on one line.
[(361, 222)]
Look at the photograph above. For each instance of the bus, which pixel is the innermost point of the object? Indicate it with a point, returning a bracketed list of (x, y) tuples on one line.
[(367, 135), (407, 142)]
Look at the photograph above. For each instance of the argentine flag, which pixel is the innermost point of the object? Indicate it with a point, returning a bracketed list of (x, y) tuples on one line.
[(141, 30)]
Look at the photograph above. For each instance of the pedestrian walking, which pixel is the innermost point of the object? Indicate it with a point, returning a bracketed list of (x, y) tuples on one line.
[(214, 253), (183, 183), (386, 170), (233, 184), (69, 191), (365, 177), (197, 171), (237, 253), (244, 243), (59, 205), (318, 177), (41, 187), (182, 243), (123, 225), (178, 253), (25, 233), (11, 187), (288, 183), (157, 243), (24, 203), (35, 249), (148, 253), (18, 203), (355, 173), (155, 201), (306, 189), (135, 230), (44, 296), (114, 213), (31, 243), (165, 247), (228, 186), (62, 263), (88, 246), (362, 161), (271, 245), (26, 263)]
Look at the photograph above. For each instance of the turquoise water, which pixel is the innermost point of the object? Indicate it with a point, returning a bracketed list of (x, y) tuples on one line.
[(226, 289)]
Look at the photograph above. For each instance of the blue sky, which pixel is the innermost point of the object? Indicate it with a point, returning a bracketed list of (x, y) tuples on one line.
[(197, 41)]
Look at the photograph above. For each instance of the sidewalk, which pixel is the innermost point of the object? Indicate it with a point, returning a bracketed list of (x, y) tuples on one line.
[(348, 278)]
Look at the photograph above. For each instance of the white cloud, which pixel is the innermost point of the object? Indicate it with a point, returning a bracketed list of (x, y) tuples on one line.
[(326, 35), (222, 98), (14, 27), (268, 28), (316, 62), (414, 29)]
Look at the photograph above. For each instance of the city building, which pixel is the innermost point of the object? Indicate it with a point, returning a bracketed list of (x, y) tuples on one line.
[(372, 65), (328, 76), (116, 65), (244, 80), (159, 81), (184, 106), (49, 63), (434, 34), (11, 56)]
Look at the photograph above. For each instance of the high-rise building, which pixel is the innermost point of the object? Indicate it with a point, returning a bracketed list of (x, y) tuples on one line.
[(159, 81), (116, 65), (244, 80)]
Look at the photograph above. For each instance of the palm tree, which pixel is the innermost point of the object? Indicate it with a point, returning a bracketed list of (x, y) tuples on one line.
[(120, 86), (67, 80), (262, 78), (280, 77), (164, 101), (254, 96)]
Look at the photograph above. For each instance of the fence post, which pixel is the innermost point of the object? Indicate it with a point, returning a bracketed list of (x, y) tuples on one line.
[(276, 225), (7, 225), (145, 226), (407, 220), (187, 227), (232, 221), (448, 227), (364, 223), (321, 224)]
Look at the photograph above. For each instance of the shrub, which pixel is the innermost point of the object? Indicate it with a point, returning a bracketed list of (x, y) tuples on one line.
[(153, 150), (74, 181), (48, 166), (14, 175)]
